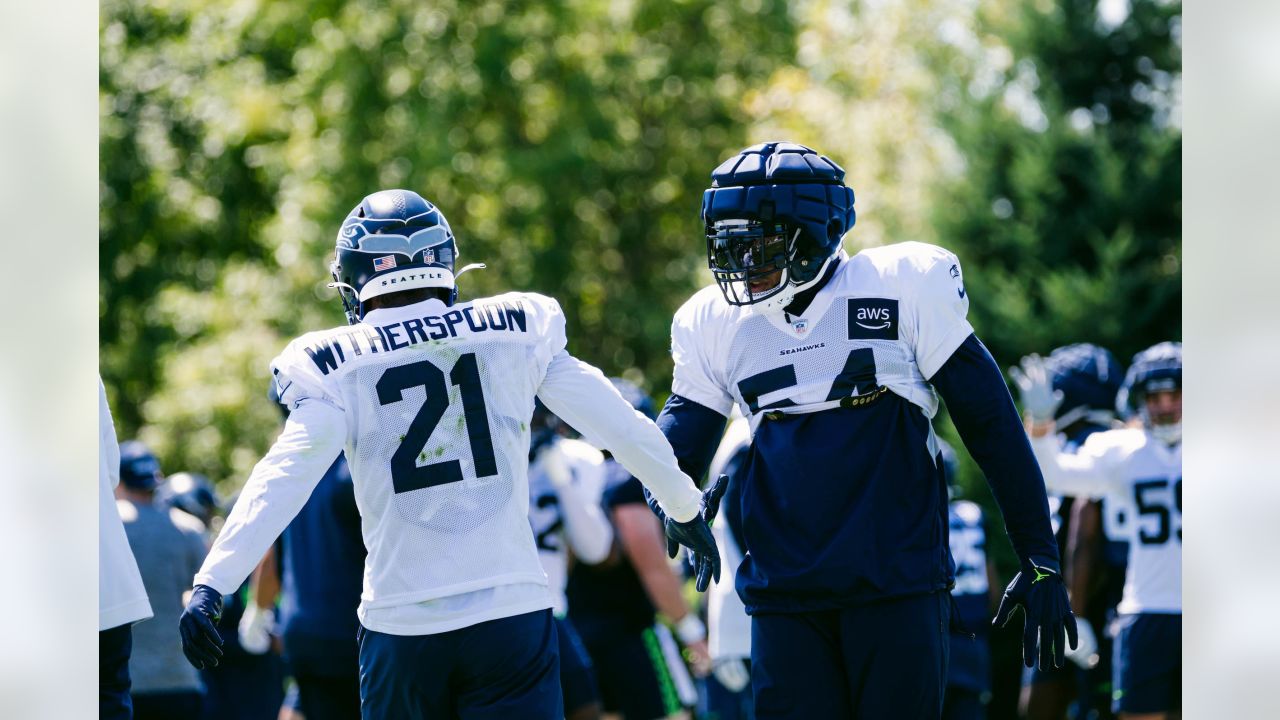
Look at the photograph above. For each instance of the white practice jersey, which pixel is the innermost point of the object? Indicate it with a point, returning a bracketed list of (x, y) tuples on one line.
[(432, 406), (889, 317), (549, 513), (1133, 469), (728, 626)]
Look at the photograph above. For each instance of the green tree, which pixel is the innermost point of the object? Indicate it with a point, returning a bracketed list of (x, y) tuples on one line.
[(567, 144)]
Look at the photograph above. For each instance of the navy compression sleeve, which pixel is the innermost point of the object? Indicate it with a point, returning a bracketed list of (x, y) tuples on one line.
[(983, 411), (694, 432)]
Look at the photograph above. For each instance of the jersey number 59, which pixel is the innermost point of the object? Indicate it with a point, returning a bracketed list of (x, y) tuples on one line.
[(406, 474)]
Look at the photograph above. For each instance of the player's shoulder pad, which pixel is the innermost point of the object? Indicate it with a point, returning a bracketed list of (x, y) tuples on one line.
[(968, 511), (579, 451), (706, 306), (905, 260)]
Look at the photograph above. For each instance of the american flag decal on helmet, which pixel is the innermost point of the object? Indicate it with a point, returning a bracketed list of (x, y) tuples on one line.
[(386, 262)]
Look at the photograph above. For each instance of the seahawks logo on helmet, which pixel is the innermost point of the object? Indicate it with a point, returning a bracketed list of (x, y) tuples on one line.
[(394, 240)]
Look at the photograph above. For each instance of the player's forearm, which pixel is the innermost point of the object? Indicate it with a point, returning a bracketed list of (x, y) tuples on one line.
[(983, 412), (580, 395), (587, 529), (276, 490)]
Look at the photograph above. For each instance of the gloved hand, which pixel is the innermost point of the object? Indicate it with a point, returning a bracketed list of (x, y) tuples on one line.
[(254, 629), (1035, 389), (1084, 654), (732, 674), (198, 627), (1042, 595), (695, 534)]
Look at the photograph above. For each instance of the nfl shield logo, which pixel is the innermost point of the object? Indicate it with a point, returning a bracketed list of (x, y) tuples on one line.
[(386, 262), (800, 326), (429, 255)]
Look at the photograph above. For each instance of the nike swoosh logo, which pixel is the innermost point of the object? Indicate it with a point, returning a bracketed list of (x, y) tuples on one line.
[(872, 327)]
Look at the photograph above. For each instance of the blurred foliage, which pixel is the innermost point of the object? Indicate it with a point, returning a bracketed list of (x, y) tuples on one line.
[(568, 144)]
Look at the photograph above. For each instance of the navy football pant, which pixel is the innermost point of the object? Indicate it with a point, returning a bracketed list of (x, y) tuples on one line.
[(114, 647), (638, 678), (505, 668), (884, 660)]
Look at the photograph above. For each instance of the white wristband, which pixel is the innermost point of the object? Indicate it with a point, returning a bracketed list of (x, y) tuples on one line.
[(690, 629)]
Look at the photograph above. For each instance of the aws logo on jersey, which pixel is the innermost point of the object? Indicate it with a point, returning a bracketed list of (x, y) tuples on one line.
[(873, 319)]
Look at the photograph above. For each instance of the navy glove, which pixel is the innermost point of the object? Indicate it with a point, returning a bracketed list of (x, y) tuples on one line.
[(695, 534), (198, 627), (1042, 595)]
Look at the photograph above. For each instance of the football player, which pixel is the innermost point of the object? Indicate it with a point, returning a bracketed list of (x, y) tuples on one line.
[(838, 362), (969, 667), (1088, 378), (431, 399), (566, 479), (1141, 466)]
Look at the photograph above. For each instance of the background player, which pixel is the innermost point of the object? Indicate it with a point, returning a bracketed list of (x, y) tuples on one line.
[(615, 605), (168, 555), (1142, 465), (975, 594), (1085, 380), (432, 401), (566, 478), (838, 363)]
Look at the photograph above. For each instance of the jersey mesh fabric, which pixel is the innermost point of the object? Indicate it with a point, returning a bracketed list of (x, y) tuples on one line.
[(456, 536)]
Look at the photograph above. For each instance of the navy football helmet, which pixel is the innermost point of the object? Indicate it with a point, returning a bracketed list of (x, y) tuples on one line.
[(393, 240), (776, 207), (191, 493), (139, 468), (1157, 368), (1089, 377), (638, 398)]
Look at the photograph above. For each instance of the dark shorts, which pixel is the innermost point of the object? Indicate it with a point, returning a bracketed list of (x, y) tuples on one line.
[(498, 669), (640, 674), (577, 678), (886, 659), (114, 647), (964, 704), (1148, 664)]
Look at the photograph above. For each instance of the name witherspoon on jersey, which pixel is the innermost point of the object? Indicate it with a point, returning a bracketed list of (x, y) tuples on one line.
[(498, 316)]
